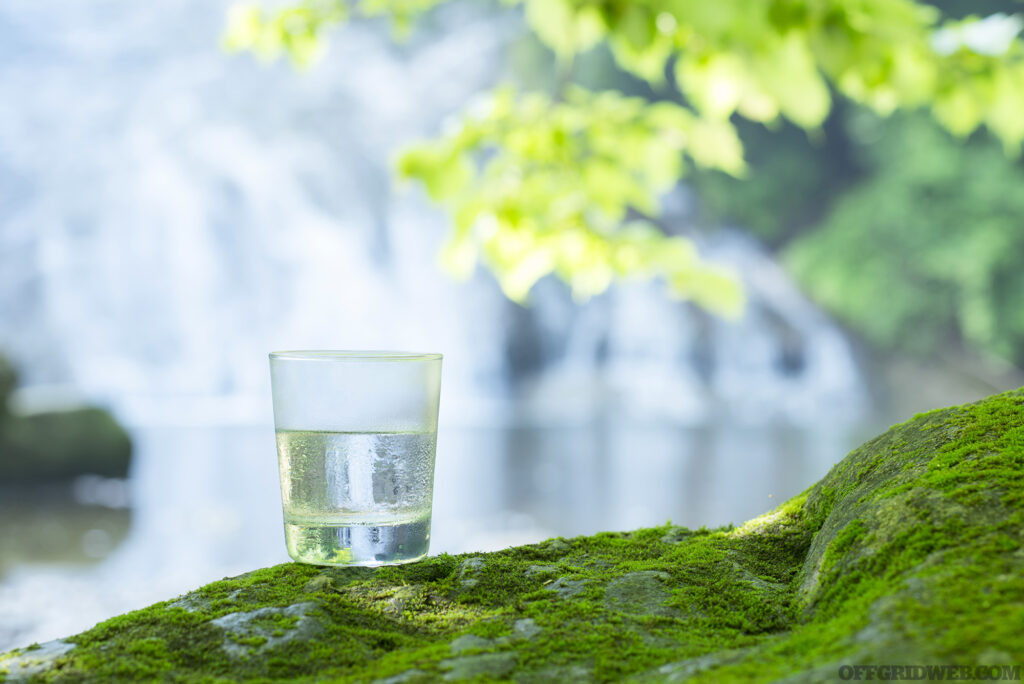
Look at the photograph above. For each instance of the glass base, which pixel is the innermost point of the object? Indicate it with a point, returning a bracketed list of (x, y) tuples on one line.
[(358, 544)]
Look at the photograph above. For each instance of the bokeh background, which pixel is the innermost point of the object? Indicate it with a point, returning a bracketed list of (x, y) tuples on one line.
[(170, 213)]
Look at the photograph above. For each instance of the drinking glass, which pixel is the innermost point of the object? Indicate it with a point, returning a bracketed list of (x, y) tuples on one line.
[(356, 437)]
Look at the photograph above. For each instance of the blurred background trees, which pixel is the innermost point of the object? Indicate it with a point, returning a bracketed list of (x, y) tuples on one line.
[(907, 228)]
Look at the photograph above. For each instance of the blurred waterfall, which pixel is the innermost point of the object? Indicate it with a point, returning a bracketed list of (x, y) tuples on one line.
[(169, 214)]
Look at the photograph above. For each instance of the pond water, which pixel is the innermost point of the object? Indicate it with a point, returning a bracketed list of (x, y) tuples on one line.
[(203, 503)]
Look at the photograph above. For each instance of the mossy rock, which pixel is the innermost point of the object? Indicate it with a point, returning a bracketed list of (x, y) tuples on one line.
[(59, 445), (908, 551)]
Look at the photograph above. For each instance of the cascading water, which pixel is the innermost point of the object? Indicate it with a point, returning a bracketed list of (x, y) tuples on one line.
[(169, 214)]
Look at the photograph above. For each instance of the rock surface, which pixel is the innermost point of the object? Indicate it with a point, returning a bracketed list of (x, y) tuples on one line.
[(58, 445), (908, 552)]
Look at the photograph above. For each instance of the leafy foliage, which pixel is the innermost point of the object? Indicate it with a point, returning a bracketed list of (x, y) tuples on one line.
[(297, 30), (537, 186), (518, 180), (928, 246), (790, 184)]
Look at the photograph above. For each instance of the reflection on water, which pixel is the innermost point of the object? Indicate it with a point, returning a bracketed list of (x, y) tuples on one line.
[(502, 487), (52, 526), (206, 504)]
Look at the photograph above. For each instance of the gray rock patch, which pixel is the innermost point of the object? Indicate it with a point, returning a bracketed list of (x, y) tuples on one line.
[(471, 565), (190, 603), (244, 626), (639, 593), (599, 564), (470, 642), (527, 628), (538, 571), (577, 674), (492, 664), (468, 568), (318, 583), (31, 662), (555, 545), (402, 677), (390, 601), (196, 602), (676, 535), (752, 579), (567, 588), (685, 669)]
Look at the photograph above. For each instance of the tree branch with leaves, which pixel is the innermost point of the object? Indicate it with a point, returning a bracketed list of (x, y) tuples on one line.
[(570, 185)]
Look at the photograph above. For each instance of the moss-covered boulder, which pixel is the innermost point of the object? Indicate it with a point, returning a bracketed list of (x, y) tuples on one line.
[(908, 552), (57, 445)]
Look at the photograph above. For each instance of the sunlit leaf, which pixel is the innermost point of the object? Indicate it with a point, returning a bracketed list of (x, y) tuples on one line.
[(539, 185)]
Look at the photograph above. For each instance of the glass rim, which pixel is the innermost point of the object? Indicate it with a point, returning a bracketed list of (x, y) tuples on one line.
[(352, 355)]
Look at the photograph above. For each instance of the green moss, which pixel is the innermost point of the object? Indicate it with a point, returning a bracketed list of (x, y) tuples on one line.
[(908, 550), (852, 533)]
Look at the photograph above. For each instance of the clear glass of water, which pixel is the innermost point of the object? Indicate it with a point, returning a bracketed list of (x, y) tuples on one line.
[(356, 437)]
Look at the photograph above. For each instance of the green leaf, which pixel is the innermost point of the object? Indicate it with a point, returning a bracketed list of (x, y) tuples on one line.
[(564, 27), (539, 185), (552, 183)]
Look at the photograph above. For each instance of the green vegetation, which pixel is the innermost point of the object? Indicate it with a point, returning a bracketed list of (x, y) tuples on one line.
[(8, 381), (939, 223), (58, 445), (569, 183), (907, 551), (62, 444)]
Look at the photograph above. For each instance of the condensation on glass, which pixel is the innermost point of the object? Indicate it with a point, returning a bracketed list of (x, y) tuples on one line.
[(356, 437)]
